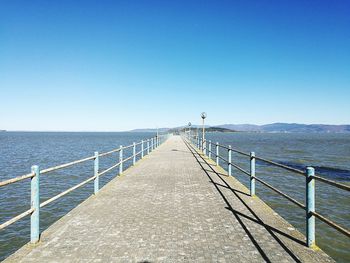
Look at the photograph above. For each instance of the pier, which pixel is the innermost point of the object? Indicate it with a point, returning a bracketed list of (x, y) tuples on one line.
[(174, 205)]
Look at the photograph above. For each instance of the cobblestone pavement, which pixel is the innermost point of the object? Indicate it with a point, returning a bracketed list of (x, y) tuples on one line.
[(172, 206)]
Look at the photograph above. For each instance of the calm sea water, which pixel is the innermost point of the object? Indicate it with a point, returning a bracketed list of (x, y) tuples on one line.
[(328, 153)]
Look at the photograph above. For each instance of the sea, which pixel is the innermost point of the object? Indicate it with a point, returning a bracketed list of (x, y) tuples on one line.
[(328, 153)]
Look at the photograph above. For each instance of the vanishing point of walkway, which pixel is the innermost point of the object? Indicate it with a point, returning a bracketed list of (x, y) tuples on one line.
[(173, 206)]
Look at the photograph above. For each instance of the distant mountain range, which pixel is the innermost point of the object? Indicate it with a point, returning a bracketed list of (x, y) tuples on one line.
[(289, 128), (270, 128)]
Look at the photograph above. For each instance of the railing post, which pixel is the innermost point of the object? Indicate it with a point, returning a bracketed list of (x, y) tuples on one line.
[(200, 145), (229, 160), (310, 207), (121, 159), (197, 142), (151, 144), (133, 153), (205, 147), (141, 149), (209, 150), (252, 174), (147, 146), (217, 153), (35, 204), (96, 180)]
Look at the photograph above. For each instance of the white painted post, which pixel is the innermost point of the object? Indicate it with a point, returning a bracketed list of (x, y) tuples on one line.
[(121, 159), (310, 207), (252, 174), (141, 149), (96, 180), (217, 153), (35, 204), (229, 160)]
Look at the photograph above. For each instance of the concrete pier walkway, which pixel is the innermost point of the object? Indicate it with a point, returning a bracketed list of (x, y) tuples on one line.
[(172, 206)]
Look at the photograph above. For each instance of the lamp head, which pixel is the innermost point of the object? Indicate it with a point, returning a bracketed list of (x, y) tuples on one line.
[(203, 115)]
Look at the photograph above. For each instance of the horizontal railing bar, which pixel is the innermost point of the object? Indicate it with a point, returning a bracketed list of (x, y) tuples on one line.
[(240, 169), (332, 224), (109, 169), (16, 218), (222, 158), (233, 149), (107, 153), (333, 183), (240, 152), (138, 153), (127, 159), (139, 143), (66, 192), (281, 193), (16, 179), (128, 146), (281, 165), (66, 165)]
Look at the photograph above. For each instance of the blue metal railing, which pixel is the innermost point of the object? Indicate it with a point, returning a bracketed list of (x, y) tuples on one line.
[(308, 173), (35, 174)]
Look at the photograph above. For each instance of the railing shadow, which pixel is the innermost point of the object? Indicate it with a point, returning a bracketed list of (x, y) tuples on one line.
[(239, 215)]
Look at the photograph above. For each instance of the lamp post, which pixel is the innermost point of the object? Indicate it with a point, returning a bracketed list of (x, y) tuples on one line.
[(203, 116), (189, 130)]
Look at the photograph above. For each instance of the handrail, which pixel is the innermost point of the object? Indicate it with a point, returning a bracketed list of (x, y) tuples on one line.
[(281, 165), (155, 142), (16, 218), (309, 207), (281, 193), (234, 150), (66, 191), (128, 146), (107, 153), (332, 224), (240, 169), (16, 179), (51, 169), (333, 183), (109, 169), (222, 158)]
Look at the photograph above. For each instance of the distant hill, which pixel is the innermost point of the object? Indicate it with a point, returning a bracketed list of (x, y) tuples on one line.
[(289, 128), (242, 127)]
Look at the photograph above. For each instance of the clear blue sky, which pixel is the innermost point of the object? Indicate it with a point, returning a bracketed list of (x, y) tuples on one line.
[(118, 65)]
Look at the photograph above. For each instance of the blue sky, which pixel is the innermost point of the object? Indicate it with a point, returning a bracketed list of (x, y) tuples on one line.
[(119, 65)]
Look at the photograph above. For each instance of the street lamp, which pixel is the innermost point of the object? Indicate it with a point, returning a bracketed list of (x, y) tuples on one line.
[(189, 130), (203, 116)]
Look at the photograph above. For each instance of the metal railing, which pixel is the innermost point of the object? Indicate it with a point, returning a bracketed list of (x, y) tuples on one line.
[(308, 173), (35, 174)]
